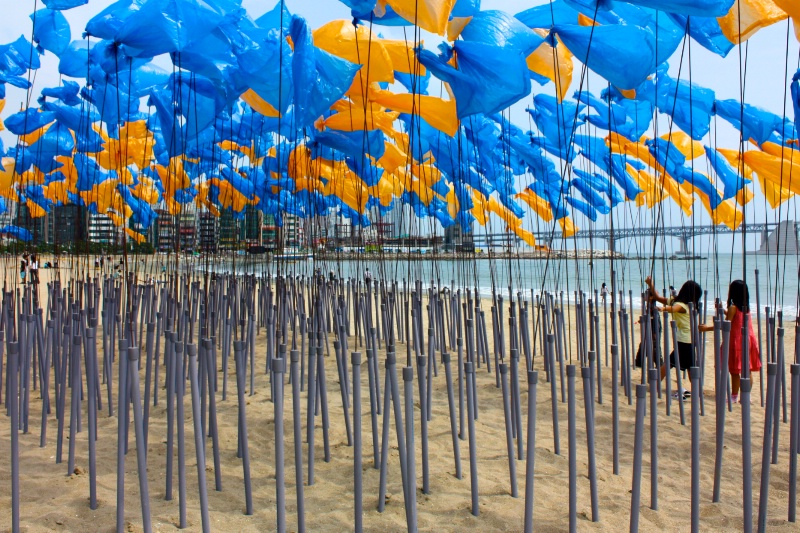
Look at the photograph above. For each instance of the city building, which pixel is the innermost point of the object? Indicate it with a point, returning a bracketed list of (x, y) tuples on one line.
[(208, 230), (293, 232), (67, 224), (36, 225), (228, 231), (187, 231), (165, 232), (269, 233), (456, 239), (250, 229), (102, 229)]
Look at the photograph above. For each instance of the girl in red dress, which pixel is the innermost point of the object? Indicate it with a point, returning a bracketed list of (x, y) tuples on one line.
[(738, 307)]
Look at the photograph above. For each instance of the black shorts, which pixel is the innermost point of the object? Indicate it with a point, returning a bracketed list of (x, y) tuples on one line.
[(685, 356)]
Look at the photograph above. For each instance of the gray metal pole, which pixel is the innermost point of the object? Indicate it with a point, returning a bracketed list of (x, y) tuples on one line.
[(180, 388), (279, 369), (615, 406), (512, 465), (13, 406), (452, 408), (423, 374), (358, 474), (171, 395), (533, 379), (240, 362), (677, 362), (411, 473), (586, 375), (75, 395), (780, 393), (772, 375), (653, 377), (636, 490), (572, 445), (298, 442), (92, 385), (747, 459), (208, 353), (553, 398), (374, 407), (794, 371), (121, 403), (473, 445), (515, 399), (721, 355), (694, 375), (311, 404), (138, 425), (760, 345)]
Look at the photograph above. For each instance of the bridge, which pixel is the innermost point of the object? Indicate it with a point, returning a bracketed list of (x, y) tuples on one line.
[(683, 233)]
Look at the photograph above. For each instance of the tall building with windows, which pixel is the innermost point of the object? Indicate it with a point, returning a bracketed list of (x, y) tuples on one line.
[(208, 232), (36, 225), (293, 231), (165, 232), (250, 228), (67, 224), (269, 232), (228, 230), (457, 239), (187, 230), (102, 229)]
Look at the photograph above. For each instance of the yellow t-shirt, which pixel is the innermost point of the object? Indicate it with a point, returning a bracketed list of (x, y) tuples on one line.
[(682, 320)]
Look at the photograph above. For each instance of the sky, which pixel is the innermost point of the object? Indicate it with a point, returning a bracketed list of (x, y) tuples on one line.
[(769, 64)]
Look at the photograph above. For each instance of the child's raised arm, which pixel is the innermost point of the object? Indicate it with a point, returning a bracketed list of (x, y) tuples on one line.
[(653, 292)]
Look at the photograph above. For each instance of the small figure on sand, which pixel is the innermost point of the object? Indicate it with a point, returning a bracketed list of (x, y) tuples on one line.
[(23, 268)]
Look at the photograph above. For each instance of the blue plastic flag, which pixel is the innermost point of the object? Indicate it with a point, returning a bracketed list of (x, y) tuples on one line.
[(63, 5), (28, 121), (754, 123), (694, 8), (51, 30), (731, 181), (501, 29), (17, 232), (487, 80)]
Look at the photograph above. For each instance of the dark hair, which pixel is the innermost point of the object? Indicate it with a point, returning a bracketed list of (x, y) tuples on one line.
[(690, 293), (738, 295)]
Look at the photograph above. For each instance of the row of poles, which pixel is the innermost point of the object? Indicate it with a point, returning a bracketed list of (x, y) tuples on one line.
[(204, 322)]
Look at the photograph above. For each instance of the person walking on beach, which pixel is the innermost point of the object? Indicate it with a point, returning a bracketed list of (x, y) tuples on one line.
[(678, 307), (23, 267), (367, 277), (738, 307), (604, 291), (34, 269)]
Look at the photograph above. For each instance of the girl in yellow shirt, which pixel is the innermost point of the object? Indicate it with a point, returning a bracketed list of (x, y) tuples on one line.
[(678, 307)]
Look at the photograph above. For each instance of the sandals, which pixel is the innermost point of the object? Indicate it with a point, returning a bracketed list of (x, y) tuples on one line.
[(685, 395)]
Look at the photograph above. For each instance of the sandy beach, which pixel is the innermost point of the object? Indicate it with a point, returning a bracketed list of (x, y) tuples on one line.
[(55, 500)]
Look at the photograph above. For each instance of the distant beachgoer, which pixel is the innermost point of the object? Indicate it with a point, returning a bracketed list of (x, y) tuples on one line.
[(23, 267), (604, 291), (34, 269), (367, 277)]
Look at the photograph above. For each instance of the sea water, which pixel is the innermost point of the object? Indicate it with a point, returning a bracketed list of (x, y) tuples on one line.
[(777, 274)]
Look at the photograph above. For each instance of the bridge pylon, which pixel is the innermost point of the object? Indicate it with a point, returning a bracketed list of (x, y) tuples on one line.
[(684, 246)]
